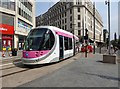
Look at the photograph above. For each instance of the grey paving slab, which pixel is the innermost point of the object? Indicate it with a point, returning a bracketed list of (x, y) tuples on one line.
[(85, 72)]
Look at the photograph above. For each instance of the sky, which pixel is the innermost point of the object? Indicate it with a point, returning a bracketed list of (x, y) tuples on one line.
[(43, 5)]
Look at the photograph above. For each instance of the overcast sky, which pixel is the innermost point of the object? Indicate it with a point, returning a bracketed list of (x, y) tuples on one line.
[(43, 5)]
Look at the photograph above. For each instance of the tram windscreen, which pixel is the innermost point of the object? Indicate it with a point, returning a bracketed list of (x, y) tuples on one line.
[(39, 39)]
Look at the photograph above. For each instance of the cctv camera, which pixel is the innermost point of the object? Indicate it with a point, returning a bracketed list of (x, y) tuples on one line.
[(106, 2)]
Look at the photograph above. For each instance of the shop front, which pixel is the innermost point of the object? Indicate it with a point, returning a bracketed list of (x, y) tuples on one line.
[(21, 41), (7, 32)]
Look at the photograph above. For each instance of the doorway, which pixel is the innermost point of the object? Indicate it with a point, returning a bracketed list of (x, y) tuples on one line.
[(61, 47)]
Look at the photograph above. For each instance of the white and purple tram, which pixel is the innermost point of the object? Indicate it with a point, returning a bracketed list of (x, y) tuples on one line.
[(46, 44)]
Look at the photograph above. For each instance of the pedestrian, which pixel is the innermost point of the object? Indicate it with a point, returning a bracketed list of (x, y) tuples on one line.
[(7, 50)]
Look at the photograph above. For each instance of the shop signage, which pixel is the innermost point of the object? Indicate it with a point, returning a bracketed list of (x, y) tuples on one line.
[(6, 29), (24, 25)]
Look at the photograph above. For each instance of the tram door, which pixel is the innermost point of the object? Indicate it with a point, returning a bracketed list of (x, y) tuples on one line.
[(61, 48)]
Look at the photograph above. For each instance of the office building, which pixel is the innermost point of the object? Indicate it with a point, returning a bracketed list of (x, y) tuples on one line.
[(74, 16), (17, 19)]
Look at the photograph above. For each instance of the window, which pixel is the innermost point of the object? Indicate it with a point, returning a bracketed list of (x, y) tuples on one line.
[(0, 3), (19, 11), (70, 11), (62, 15), (79, 24), (40, 40), (66, 43), (29, 6), (65, 14), (65, 20), (62, 21), (49, 41), (62, 8), (78, 17), (65, 7), (8, 4), (6, 19), (79, 32), (71, 25), (70, 4), (5, 3), (78, 9), (65, 27), (12, 5), (70, 43), (22, 12), (70, 18)]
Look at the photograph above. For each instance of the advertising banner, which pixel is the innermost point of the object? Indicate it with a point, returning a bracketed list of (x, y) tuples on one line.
[(6, 29)]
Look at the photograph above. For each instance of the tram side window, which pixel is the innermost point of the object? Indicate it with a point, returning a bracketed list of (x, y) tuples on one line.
[(66, 43), (70, 43)]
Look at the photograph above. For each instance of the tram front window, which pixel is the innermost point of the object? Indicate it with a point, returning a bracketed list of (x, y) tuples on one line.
[(39, 39)]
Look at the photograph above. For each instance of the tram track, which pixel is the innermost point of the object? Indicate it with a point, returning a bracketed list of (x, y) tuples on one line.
[(22, 74), (15, 64), (20, 68), (11, 68), (14, 73), (8, 68)]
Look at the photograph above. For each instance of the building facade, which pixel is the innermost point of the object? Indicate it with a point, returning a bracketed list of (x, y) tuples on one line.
[(74, 16), (17, 17)]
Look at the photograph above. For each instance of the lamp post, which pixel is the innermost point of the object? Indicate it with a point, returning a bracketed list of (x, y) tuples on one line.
[(108, 3), (94, 27), (73, 39), (86, 41)]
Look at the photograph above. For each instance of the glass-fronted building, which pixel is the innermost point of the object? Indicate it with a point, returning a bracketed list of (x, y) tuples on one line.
[(17, 17)]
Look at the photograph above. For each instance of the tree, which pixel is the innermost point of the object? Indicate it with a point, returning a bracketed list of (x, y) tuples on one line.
[(118, 43), (115, 36)]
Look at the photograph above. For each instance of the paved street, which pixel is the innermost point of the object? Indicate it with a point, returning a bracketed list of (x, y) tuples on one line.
[(76, 71), (9, 59), (84, 72), (15, 74)]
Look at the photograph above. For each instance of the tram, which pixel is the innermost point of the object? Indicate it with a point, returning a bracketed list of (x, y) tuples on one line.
[(47, 44)]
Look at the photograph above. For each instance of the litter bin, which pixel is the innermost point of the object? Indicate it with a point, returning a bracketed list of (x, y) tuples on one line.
[(14, 52)]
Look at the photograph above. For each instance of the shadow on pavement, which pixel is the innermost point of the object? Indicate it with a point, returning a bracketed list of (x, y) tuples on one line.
[(21, 65), (105, 77), (100, 61), (18, 63)]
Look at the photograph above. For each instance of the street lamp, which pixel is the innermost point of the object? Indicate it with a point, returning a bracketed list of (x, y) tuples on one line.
[(86, 41), (94, 27), (108, 3), (73, 39)]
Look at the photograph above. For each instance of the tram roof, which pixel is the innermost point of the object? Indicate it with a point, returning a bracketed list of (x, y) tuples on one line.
[(57, 29)]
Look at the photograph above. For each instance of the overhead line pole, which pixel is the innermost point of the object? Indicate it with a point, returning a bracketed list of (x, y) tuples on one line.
[(94, 26), (109, 22)]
